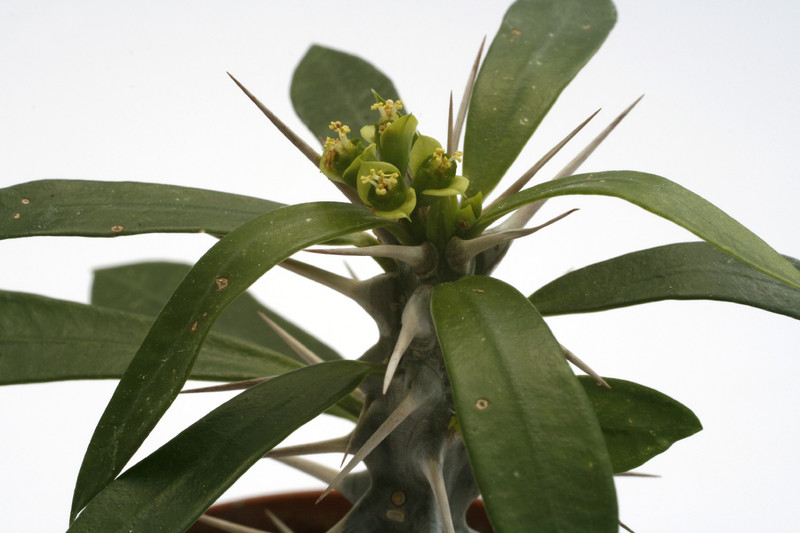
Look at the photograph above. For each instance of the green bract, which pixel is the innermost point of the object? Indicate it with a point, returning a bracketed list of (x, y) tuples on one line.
[(434, 171), (394, 142)]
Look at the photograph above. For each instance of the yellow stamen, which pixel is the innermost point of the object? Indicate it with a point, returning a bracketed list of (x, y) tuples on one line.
[(382, 182), (335, 146), (388, 109), (442, 160)]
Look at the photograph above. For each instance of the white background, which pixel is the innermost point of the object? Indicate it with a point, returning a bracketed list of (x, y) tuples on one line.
[(138, 91)]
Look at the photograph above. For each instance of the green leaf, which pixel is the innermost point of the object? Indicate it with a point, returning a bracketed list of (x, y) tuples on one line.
[(111, 209), (684, 271), (330, 85), (638, 423), (666, 199), (533, 440), (167, 491), (540, 47), (167, 355), (42, 339), (145, 287)]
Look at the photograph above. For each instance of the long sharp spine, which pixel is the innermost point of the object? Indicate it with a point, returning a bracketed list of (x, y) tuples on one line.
[(575, 360), (282, 527), (458, 126), (337, 445), (521, 216), (316, 470), (415, 322), (226, 525), (355, 290), (408, 405), (432, 469), (235, 385), (287, 132), (527, 176), (421, 258), (460, 251), (299, 348)]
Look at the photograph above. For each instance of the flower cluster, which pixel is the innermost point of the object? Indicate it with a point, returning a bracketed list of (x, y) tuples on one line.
[(396, 170)]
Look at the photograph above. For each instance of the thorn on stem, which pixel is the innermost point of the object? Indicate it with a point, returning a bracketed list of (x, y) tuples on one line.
[(235, 385), (282, 527), (415, 322), (527, 176), (462, 109), (226, 525), (460, 251), (432, 469), (408, 405), (575, 360), (421, 258), (316, 470), (521, 216), (451, 141), (287, 132), (336, 445), (298, 347)]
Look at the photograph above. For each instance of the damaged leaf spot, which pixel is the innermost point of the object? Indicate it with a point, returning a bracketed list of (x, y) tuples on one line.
[(116, 228), (194, 326), (479, 291), (482, 404), (17, 216), (25, 201), (221, 283)]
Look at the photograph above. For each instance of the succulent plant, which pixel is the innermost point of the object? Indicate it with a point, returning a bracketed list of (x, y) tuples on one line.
[(467, 392)]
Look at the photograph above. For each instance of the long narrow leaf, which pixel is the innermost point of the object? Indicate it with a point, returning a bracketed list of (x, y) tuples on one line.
[(330, 85), (167, 491), (165, 358), (43, 339), (638, 422), (110, 209), (144, 288), (532, 437), (540, 47), (684, 271), (668, 200)]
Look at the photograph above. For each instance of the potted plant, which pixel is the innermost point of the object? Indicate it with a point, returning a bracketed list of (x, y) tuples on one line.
[(447, 369)]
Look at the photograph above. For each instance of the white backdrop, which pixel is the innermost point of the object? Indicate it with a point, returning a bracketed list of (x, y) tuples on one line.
[(137, 91)]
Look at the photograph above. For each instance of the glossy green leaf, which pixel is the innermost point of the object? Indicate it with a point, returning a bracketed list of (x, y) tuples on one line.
[(638, 423), (111, 209), (684, 271), (167, 491), (144, 288), (668, 200), (330, 85), (165, 358), (540, 47), (43, 339), (533, 440)]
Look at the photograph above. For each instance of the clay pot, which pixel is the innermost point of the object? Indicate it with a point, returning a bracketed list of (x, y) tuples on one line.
[(302, 515)]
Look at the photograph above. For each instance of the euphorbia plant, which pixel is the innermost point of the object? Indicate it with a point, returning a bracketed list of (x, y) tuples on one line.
[(466, 392)]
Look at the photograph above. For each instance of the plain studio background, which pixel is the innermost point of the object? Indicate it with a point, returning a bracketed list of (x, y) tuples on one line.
[(138, 91)]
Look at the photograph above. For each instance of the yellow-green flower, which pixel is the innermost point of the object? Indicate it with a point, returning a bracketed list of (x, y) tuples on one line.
[(382, 187), (339, 153), (433, 170)]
